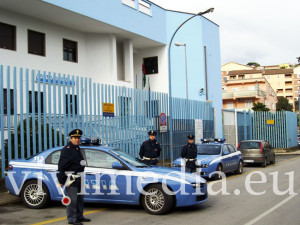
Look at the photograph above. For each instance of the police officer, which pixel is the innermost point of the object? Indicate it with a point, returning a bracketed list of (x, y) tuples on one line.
[(150, 149), (189, 154), (72, 161)]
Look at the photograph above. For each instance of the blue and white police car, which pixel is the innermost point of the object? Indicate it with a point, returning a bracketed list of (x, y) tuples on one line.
[(110, 176), (213, 157)]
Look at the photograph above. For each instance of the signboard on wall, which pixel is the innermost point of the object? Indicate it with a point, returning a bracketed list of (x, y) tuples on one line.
[(198, 130), (108, 109), (270, 122)]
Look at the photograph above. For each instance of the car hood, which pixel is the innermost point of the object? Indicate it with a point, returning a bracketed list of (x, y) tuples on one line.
[(206, 159), (201, 159), (170, 174)]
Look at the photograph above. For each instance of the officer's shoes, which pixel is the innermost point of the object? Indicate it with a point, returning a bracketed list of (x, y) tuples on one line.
[(83, 219), (76, 222)]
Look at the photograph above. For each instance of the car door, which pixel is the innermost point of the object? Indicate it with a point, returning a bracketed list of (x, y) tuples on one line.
[(234, 159), (267, 149), (226, 158), (50, 170), (103, 183)]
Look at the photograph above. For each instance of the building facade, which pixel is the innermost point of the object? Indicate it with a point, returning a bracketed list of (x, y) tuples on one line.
[(283, 79), (109, 41)]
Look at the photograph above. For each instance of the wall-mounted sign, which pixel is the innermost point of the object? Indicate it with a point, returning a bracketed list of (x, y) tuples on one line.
[(49, 78), (108, 109), (198, 130), (270, 122)]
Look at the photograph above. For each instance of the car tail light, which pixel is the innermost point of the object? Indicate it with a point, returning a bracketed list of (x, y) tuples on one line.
[(261, 148), (10, 167), (238, 145)]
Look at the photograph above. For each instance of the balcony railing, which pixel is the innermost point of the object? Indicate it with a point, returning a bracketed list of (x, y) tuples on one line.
[(243, 94)]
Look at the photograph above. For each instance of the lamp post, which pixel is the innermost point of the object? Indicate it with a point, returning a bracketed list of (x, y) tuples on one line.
[(186, 75), (170, 86)]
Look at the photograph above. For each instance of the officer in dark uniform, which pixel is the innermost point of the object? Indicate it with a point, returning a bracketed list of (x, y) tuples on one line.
[(189, 154), (150, 149), (72, 161)]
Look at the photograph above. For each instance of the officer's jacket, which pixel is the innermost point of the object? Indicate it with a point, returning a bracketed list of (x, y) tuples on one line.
[(189, 151), (150, 149), (69, 160)]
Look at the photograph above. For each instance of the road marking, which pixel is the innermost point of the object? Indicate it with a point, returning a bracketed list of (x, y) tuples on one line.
[(64, 218), (271, 210)]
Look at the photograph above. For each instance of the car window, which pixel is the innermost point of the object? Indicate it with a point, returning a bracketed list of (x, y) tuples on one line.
[(225, 150), (231, 149), (100, 159), (208, 149), (53, 158), (249, 145)]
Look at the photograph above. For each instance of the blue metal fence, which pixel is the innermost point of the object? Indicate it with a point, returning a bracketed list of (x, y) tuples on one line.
[(38, 109), (278, 128)]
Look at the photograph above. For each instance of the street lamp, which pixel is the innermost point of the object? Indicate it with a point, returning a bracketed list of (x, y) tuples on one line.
[(170, 86), (186, 75)]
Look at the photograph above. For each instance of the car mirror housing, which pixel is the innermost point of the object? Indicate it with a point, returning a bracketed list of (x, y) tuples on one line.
[(117, 165)]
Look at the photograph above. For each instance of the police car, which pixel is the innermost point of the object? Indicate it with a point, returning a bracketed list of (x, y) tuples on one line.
[(213, 157), (111, 176)]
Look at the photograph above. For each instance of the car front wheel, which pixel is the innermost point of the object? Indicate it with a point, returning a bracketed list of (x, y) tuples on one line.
[(34, 195), (156, 201)]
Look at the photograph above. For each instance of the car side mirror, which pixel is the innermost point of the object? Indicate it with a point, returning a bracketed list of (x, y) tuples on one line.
[(117, 165)]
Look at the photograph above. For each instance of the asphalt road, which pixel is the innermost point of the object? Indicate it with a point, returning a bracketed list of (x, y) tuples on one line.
[(238, 206)]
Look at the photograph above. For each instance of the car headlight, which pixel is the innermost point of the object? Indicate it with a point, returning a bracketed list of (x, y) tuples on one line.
[(176, 165), (197, 185), (203, 165)]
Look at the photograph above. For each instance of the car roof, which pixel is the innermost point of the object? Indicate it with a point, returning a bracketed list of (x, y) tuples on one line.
[(253, 140)]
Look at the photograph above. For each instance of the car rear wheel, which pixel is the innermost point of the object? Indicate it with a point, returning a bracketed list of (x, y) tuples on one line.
[(34, 195), (240, 168), (264, 163), (156, 201), (273, 160)]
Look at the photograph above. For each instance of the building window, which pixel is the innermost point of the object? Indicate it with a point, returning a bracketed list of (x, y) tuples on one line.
[(151, 65), (36, 102), (130, 3), (36, 43), (11, 97), (70, 50), (242, 77), (7, 36), (69, 108), (144, 7), (248, 104)]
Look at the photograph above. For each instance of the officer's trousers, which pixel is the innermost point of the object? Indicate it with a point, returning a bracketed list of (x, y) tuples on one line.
[(75, 209)]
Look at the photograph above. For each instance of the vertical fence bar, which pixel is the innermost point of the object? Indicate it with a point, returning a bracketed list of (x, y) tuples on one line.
[(28, 153), (59, 109), (73, 104), (21, 114), (49, 110), (54, 109), (77, 103), (64, 103), (45, 111), (68, 103), (15, 113), (3, 156), (33, 112), (89, 118)]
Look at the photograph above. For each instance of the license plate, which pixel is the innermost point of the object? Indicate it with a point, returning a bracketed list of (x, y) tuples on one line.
[(198, 169), (248, 161)]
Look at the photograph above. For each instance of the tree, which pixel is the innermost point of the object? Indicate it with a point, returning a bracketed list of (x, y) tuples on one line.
[(283, 104), (253, 64), (260, 107)]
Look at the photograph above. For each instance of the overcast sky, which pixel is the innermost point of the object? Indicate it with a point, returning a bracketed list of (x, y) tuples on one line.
[(263, 31)]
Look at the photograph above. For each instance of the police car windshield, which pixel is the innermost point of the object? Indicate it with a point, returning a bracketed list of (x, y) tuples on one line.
[(208, 149), (128, 158)]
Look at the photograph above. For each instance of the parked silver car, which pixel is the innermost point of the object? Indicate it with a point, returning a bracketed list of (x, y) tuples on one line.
[(257, 151)]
